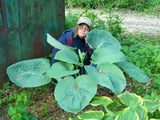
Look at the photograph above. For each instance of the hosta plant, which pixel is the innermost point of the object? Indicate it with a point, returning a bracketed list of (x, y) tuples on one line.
[(136, 108), (75, 90)]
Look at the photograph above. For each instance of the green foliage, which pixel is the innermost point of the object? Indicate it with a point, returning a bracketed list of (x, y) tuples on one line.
[(136, 108), (97, 22), (6, 95), (44, 109), (133, 71), (101, 100), (81, 55), (141, 5), (154, 95), (140, 89), (62, 69), (18, 100), (114, 22), (18, 110), (30, 73), (71, 19), (52, 41), (97, 115), (139, 50), (155, 115), (147, 6), (74, 93), (85, 3), (102, 74), (113, 56), (101, 38), (68, 56), (144, 52)]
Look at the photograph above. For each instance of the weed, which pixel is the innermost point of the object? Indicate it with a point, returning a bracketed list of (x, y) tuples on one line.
[(44, 109)]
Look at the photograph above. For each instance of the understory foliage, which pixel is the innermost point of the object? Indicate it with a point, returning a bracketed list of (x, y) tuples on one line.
[(75, 90), (133, 107), (149, 6), (144, 52), (18, 101)]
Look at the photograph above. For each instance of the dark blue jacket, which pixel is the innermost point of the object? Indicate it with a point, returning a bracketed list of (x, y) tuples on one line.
[(64, 38)]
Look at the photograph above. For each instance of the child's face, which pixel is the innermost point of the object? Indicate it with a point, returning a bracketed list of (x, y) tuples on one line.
[(83, 29)]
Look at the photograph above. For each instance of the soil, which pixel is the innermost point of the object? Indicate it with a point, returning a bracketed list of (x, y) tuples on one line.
[(134, 23)]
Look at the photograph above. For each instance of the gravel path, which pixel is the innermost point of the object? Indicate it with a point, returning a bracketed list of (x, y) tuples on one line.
[(133, 22), (138, 23)]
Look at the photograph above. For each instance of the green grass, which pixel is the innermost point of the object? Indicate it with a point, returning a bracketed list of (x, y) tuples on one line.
[(143, 51)]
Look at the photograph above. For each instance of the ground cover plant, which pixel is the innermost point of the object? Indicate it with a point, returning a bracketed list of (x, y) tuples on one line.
[(143, 51), (74, 93), (136, 108), (15, 101), (154, 114)]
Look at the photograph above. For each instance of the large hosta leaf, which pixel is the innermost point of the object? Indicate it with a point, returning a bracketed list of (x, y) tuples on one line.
[(107, 54), (68, 56), (30, 73), (60, 69), (74, 94), (53, 42), (135, 110), (133, 71), (130, 99), (108, 75), (108, 116), (101, 100), (152, 105), (91, 115), (128, 114), (100, 38), (141, 111)]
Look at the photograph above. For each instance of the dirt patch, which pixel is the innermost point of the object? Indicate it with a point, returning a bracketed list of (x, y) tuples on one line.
[(133, 22)]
